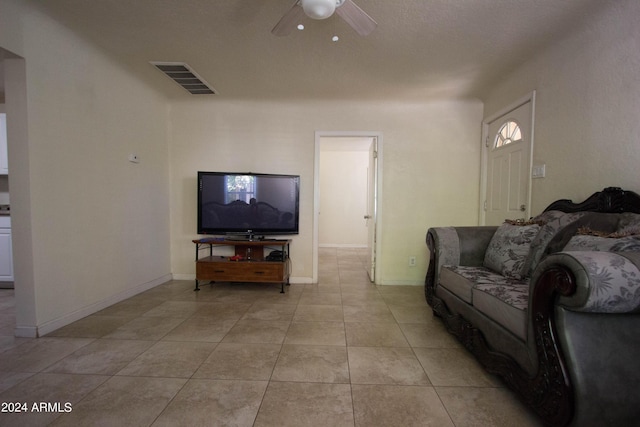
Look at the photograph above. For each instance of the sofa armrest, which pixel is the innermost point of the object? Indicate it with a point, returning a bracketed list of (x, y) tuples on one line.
[(444, 247), (459, 245), (455, 246), (606, 282)]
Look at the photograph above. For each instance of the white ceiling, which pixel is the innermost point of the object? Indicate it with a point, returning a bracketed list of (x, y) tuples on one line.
[(421, 49)]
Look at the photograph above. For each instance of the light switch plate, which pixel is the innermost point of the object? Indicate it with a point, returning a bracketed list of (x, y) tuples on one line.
[(539, 171)]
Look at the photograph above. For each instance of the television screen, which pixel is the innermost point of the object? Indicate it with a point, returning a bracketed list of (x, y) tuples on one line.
[(248, 203)]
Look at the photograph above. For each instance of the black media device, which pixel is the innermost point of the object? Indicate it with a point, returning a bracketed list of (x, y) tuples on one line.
[(275, 256), (248, 204)]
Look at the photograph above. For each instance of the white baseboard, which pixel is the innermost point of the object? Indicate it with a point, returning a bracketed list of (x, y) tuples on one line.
[(26, 331), (401, 283), (184, 277), (341, 245), (52, 325)]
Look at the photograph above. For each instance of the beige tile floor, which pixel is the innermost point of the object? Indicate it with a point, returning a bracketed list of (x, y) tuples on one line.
[(343, 352)]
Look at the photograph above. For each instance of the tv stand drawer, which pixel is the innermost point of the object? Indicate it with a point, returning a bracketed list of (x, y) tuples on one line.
[(241, 271)]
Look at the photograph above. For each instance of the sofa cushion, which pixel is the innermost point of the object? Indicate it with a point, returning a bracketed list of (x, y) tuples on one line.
[(504, 302), (554, 224), (604, 223), (509, 248), (458, 280), (629, 223), (601, 243)]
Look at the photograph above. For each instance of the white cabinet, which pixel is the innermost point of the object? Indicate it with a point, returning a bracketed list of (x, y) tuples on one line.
[(4, 159), (6, 252)]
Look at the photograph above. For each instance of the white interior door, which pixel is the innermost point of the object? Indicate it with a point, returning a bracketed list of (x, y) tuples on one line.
[(508, 145), (371, 216)]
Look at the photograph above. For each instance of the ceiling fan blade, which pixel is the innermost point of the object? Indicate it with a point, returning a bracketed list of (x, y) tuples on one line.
[(356, 17), (289, 21)]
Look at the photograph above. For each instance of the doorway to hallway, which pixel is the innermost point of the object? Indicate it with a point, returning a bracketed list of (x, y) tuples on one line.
[(346, 194)]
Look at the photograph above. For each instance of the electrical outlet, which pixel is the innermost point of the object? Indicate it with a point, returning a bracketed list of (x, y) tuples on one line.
[(412, 261)]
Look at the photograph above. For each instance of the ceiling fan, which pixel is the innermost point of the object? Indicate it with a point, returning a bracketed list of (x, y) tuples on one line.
[(362, 23)]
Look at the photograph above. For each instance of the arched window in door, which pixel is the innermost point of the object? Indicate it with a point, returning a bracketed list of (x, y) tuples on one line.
[(509, 133)]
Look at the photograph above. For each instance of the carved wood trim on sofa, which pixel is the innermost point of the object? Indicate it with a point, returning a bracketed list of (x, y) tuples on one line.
[(609, 200)]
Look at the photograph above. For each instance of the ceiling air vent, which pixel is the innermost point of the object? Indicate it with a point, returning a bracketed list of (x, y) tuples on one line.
[(180, 73)]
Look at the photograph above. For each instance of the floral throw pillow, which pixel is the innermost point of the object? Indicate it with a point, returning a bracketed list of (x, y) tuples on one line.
[(509, 247)]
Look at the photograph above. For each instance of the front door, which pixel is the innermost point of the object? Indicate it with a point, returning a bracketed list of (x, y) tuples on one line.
[(508, 166)]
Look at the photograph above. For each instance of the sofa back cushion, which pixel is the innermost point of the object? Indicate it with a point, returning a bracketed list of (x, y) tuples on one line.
[(629, 223), (589, 240), (561, 227), (604, 223), (555, 222), (509, 248)]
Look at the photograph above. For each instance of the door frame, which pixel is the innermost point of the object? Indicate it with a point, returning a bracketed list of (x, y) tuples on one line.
[(484, 156), (316, 193)]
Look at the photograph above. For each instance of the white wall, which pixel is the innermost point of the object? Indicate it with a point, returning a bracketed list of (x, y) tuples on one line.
[(343, 198), (430, 167), (587, 107), (90, 227)]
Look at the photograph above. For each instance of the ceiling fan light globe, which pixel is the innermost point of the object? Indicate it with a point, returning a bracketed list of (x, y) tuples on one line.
[(318, 9)]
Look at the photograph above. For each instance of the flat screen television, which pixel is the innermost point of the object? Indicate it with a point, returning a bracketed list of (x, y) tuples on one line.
[(248, 204)]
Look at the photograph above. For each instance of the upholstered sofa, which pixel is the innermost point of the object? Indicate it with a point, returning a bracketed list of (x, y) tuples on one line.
[(551, 305)]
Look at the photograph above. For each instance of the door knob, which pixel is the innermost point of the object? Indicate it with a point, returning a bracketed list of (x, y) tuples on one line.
[(367, 217), (523, 208)]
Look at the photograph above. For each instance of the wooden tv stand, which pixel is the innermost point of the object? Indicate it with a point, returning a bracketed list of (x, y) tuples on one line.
[(252, 267)]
